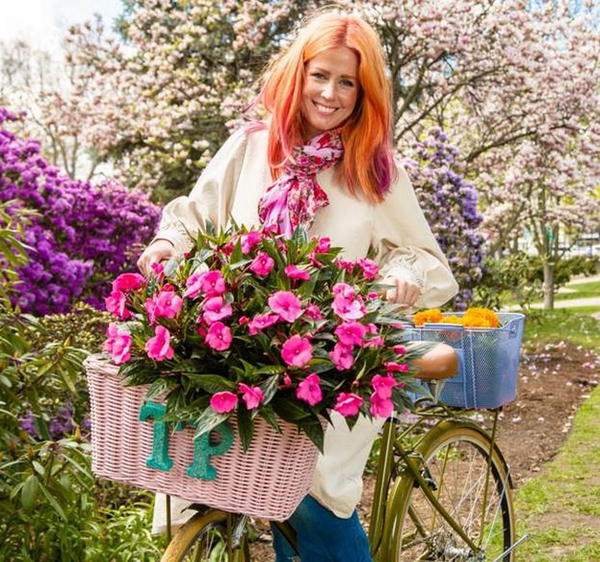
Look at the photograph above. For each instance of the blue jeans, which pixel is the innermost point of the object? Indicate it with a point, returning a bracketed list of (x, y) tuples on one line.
[(322, 536)]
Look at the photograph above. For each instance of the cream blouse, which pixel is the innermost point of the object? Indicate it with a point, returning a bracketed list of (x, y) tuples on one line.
[(231, 186)]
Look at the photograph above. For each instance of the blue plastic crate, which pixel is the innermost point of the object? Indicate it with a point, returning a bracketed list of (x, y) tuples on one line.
[(488, 360)]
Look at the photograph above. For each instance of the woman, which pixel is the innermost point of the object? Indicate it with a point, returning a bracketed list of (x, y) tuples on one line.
[(324, 160)]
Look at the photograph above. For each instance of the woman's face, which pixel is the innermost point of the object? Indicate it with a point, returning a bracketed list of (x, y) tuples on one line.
[(330, 89)]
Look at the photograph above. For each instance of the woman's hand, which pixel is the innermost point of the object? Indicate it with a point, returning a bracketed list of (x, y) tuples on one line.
[(405, 293), (158, 251)]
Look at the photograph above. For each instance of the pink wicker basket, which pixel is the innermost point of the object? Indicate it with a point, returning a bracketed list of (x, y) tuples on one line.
[(268, 481)]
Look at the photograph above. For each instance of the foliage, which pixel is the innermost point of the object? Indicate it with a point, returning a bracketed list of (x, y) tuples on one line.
[(252, 323), (82, 234)]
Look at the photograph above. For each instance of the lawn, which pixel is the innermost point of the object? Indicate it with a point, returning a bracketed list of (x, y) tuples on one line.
[(581, 291), (576, 325)]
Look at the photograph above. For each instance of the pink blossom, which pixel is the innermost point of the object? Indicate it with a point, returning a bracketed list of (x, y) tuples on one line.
[(223, 402), (397, 367), (383, 385), (343, 290), (118, 344), (381, 407), (297, 351), (215, 308), (116, 304), (218, 336), (373, 295), (243, 320), (377, 341), (348, 404), (345, 264), (260, 322), (252, 395), (369, 268), (342, 356), (323, 246), (313, 311), (249, 241), (158, 269), (348, 309), (150, 307), (213, 283), (128, 282), (158, 347), (309, 389), (399, 349), (286, 304), (351, 333), (294, 272), (287, 380), (194, 285), (262, 264), (168, 304)]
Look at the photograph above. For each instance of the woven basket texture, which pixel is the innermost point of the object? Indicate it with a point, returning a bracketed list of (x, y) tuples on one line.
[(268, 481)]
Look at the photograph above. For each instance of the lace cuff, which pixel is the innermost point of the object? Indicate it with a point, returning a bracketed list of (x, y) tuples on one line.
[(176, 233), (404, 268)]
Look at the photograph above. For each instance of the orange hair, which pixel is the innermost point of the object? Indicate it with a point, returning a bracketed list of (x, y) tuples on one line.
[(368, 164)]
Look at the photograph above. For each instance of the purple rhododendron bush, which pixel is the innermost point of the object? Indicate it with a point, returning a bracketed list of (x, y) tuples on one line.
[(83, 234)]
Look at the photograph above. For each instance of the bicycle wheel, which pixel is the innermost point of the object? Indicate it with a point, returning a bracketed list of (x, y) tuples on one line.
[(204, 539), (456, 456)]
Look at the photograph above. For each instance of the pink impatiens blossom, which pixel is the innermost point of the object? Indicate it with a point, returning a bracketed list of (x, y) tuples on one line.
[(262, 264), (294, 272), (128, 282), (381, 407), (158, 347), (313, 311), (377, 341), (351, 333), (297, 351), (215, 309), (286, 304), (219, 336), (252, 395), (348, 404), (324, 245), (168, 304), (309, 389), (248, 241), (342, 356), (211, 283), (116, 304), (158, 269), (369, 268), (383, 385), (343, 290), (194, 285), (260, 322), (397, 367), (348, 308), (223, 402), (118, 344), (399, 349), (287, 380)]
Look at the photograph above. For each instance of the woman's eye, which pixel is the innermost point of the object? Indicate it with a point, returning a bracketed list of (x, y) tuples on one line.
[(318, 75), (348, 83)]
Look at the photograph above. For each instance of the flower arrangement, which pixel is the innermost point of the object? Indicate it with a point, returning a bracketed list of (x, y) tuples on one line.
[(472, 318), (250, 323)]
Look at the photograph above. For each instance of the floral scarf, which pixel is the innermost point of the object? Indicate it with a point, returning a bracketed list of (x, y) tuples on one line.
[(295, 197)]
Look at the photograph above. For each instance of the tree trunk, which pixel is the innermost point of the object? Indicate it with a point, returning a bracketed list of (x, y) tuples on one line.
[(548, 285)]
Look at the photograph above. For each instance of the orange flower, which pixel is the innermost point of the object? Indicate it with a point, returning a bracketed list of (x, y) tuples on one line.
[(451, 320), (472, 318), (428, 316)]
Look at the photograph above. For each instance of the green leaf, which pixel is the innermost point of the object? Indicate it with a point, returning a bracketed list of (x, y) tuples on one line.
[(314, 431), (159, 386), (267, 413), (210, 382), (245, 426), (38, 468), (53, 501), (207, 421), (269, 387), (290, 411), (29, 492)]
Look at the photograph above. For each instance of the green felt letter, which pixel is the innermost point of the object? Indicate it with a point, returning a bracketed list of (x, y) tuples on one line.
[(204, 449), (159, 458)]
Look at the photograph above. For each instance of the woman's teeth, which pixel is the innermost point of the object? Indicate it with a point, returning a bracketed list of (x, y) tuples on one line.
[(325, 109)]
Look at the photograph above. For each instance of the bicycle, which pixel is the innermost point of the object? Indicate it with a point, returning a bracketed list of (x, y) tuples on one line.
[(442, 492)]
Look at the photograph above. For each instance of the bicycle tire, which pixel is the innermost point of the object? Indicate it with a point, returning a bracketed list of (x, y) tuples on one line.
[(202, 538), (456, 454)]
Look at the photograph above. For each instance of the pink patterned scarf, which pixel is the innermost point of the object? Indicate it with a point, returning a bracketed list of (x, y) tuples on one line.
[(295, 197)]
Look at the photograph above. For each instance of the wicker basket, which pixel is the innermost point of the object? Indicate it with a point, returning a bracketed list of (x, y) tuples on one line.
[(488, 360), (268, 481)]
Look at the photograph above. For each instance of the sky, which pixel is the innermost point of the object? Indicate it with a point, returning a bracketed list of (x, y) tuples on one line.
[(43, 23)]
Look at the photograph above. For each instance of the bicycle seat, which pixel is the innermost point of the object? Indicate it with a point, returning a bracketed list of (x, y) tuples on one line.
[(440, 362)]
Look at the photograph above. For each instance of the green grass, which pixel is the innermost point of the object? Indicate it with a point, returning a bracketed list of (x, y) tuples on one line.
[(570, 324), (582, 291), (561, 507)]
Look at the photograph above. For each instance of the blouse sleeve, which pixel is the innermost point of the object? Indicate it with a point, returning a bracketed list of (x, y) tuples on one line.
[(406, 247), (211, 197)]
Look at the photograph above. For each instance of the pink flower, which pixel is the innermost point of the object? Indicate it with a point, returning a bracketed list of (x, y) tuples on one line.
[(150, 306), (158, 347), (381, 407), (383, 385), (262, 264), (369, 268), (343, 290), (244, 320), (218, 336), (397, 367), (351, 333), (294, 272), (373, 295), (118, 344), (168, 304), (128, 282), (194, 285), (313, 311), (260, 322), (377, 341), (287, 380), (158, 269), (116, 304), (213, 283), (252, 395), (223, 402), (297, 351), (399, 349), (348, 404), (286, 304), (348, 309), (249, 241), (345, 264), (215, 309), (342, 356), (309, 390), (323, 246)]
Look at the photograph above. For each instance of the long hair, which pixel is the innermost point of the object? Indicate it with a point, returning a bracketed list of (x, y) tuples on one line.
[(368, 164)]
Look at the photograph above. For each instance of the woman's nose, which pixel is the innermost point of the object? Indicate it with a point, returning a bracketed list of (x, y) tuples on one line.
[(328, 91)]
